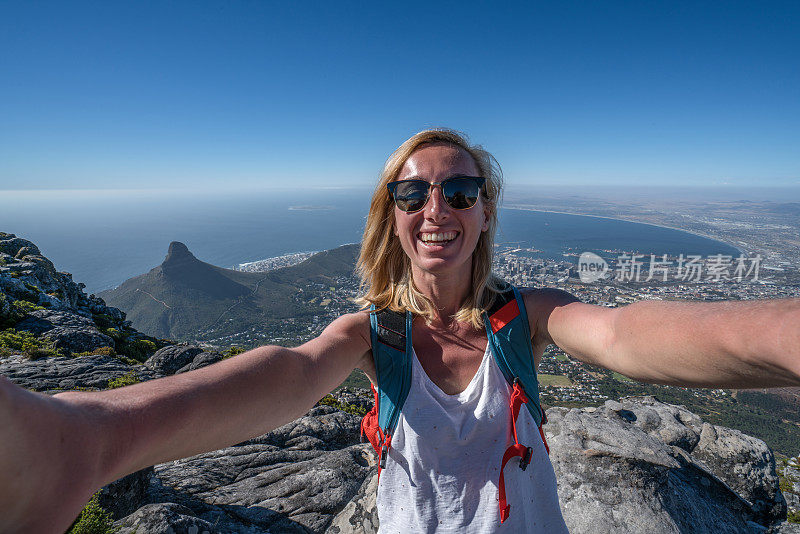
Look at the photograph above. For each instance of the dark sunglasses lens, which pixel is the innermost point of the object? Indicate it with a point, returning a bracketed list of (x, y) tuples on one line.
[(461, 193), (411, 195)]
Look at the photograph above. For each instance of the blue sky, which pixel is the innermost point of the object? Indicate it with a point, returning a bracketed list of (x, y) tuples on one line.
[(206, 95)]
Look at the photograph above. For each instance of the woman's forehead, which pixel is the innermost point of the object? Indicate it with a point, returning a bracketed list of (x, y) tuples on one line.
[(438, 161)]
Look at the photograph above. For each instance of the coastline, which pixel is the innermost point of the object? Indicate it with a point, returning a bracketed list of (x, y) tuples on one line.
[(307, 253), (521, 208)]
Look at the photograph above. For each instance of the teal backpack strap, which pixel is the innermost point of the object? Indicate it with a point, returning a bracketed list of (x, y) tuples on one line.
[(510, 339), (391, 350)]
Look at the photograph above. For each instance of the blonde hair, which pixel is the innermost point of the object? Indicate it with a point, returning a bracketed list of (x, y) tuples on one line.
[(384, 267)]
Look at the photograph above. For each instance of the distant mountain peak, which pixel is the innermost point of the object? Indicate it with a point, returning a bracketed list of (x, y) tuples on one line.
[(185, 296), (178, 251)]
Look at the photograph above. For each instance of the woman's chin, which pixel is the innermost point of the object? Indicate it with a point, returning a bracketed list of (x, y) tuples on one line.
[(442, 264)]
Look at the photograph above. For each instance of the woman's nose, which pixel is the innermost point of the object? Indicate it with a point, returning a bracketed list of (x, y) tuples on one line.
[(437, 208)]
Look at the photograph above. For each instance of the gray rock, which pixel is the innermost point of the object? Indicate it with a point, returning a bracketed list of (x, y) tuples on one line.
[(53, 289), (742, 462), (628, 466), (792, 501), (170, 359), (294, 479), (165, 518), (5, 306), (201, 360), (360, 516), (14, 246), (793, 472), (69, 331), (785, 528), (124, 496), (61, 373), (41, 267), (745, 464)]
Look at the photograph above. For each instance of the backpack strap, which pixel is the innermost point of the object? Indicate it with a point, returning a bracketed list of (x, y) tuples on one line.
[(510, 340), (390, 333)]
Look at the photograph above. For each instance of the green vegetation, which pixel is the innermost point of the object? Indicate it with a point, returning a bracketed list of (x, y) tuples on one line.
[(32, 287), (126, 344), (785, 482), (102, 321), (100, 351), (621, 378), (113, 333), (16, 309), (12, 340), (139, 349), (328, 400), (93, 519), (793, 517), (554, 380), (8, 319), (128, 379), (45, 351), (26, 307), (231, 352), (357, 379)]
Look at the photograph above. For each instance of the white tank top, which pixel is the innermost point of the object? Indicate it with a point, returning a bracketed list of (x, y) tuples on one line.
[(443, 467)]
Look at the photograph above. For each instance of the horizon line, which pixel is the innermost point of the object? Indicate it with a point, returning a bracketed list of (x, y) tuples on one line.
[(245, 188)]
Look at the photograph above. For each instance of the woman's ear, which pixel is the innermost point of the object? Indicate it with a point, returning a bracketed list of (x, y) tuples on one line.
[(487, 216)]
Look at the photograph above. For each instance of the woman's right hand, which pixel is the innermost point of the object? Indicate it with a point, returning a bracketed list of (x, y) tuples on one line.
[(56, 451)]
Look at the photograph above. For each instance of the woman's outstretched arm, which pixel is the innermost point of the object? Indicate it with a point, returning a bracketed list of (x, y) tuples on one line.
[(56, 451), (730, 344)]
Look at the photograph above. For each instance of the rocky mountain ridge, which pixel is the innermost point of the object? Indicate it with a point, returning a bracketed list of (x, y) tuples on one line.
[(633, 465), (43, 312), (186, 298)]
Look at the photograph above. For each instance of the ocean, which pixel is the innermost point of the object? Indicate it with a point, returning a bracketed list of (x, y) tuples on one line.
[(106, 237)]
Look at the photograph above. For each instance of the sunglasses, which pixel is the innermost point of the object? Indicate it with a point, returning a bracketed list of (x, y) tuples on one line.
[(460, 192)]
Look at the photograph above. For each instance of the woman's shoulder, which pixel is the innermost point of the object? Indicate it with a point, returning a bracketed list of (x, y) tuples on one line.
[(356, 326), (356, 323), (540, 302)]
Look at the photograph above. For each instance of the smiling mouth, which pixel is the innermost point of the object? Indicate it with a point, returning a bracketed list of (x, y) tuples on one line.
[(436, 238)]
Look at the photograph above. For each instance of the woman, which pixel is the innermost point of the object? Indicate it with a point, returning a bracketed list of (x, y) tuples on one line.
[(425, 250)]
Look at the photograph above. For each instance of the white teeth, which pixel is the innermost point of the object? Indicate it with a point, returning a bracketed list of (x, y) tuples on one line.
[(437, 237)]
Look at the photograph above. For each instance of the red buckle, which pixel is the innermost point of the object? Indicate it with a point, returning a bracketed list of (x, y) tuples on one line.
[(504, 512), (517, 399), (511, 452)]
